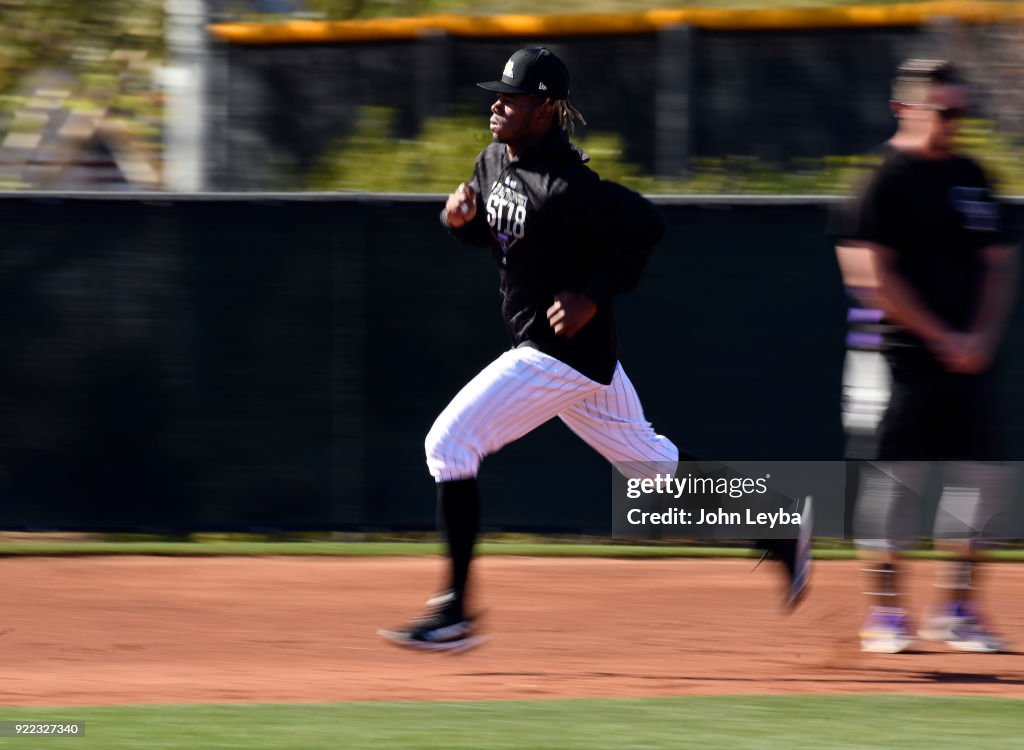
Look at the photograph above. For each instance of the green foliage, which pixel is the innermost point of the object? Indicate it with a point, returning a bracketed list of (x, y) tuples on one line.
[(79, 37), (997, 153), (369, 8), (372, 159), (95, 59)]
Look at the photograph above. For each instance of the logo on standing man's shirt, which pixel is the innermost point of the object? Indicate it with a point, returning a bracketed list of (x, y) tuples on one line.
[(506, 215), (978, 212)]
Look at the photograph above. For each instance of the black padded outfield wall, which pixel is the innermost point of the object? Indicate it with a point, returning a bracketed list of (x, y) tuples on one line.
[(275, 362)]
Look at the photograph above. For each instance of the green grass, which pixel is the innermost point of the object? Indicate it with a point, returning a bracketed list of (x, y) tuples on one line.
[(709, 723), (394, 549)]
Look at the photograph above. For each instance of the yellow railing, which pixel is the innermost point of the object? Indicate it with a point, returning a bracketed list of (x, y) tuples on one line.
[(873, 16)]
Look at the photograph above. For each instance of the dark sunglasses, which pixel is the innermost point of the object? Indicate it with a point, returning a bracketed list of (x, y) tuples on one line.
[(950, 113)]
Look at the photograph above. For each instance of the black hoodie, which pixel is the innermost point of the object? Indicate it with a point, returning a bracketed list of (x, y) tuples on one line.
[(553, 225)]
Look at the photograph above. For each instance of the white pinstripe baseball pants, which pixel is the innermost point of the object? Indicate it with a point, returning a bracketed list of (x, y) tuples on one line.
[(524, 388)]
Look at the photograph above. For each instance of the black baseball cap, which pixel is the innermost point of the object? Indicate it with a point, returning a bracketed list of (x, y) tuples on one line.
[(534, 70)]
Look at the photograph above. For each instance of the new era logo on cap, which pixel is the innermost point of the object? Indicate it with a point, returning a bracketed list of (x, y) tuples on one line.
[(530, 71)]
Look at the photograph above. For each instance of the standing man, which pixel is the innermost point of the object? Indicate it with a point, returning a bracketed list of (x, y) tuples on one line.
[(928, 246), (565, 243)]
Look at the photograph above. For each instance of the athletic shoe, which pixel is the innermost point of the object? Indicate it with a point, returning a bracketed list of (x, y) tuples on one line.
[(801, 570), (440, 629), (962, 628), (886, 631), (441, 599), (795, 556)]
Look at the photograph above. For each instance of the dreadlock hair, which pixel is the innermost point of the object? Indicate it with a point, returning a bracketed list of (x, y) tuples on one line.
[(567, 116), (914, 78)]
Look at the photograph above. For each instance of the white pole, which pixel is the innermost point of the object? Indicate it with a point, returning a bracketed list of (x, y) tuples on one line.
[(185, 80)]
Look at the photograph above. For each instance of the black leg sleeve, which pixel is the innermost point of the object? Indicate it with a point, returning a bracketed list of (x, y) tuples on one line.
[(459, 509)]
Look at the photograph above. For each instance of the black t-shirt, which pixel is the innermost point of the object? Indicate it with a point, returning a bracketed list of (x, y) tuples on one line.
[(867, 329), (936, 215), (553, 225)]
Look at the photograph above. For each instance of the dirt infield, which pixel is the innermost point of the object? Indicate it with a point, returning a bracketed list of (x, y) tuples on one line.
[(95, 630)]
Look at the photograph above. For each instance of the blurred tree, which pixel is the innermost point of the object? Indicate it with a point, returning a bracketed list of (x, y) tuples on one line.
[(331, 9), (371, 8), (372, 158), (73, 35), (75, 75)]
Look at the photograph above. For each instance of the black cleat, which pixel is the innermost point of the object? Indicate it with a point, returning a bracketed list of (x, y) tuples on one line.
[(440, 629), (795, 556)]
